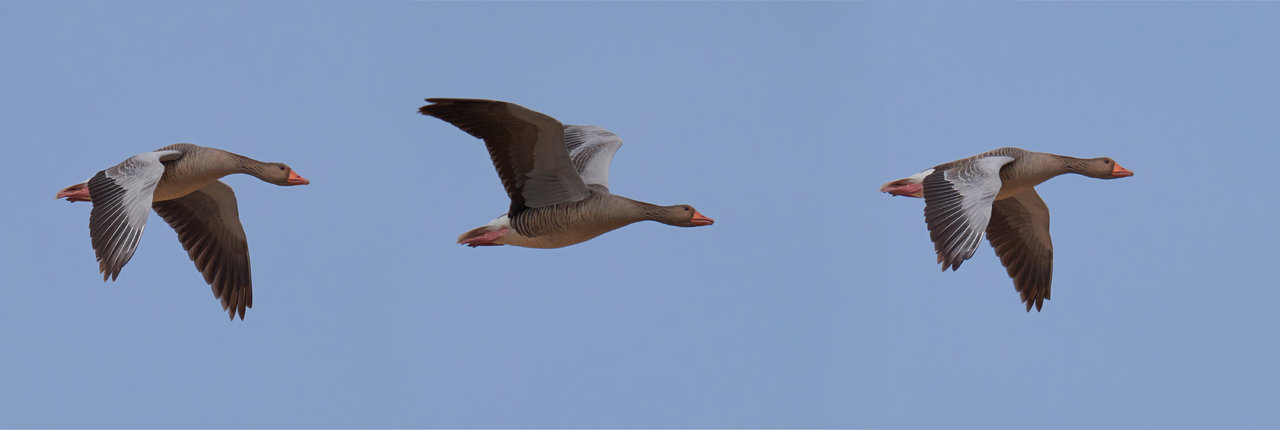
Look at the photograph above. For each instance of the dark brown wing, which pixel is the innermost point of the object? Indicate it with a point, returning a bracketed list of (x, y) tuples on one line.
[(1019, 232), (527, 149), (208, 225)]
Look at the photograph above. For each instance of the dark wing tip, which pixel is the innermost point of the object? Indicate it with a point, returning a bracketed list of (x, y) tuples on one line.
[(233, 305), (1038, 302), (948, 263), (430, 110), (439, 104), (1033, 291), (426, 110)]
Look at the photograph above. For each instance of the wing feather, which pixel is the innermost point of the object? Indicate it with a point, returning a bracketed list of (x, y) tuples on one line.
[(121, 198), (591, 148), (958, 206), (527, 149), (1019, 233), (208, 225)]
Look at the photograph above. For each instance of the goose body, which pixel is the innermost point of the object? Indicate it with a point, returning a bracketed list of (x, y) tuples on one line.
[(556, 176), (180, 182), (994, 193)]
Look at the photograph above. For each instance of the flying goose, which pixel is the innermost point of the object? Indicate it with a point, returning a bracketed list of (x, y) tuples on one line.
[(180, 182), (556, 175), (995, 192)]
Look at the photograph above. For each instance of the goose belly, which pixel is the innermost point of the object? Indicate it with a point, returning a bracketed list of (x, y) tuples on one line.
[(168, 189), (1016, 180), (558, 239), (562, 233), (1013, 190)]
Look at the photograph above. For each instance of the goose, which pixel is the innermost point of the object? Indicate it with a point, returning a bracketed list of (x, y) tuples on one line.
[(180, 182), (995, 192), (556, 176)]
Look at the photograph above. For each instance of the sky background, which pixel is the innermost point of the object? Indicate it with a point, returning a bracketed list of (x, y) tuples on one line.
[(814, 301)]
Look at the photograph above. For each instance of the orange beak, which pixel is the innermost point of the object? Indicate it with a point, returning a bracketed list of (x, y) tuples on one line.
[(295, 179), (700, 219), (1120, 172)]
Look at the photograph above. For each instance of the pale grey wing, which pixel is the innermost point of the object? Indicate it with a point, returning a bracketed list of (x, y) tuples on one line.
[(121, 200), (527, 149), (591, 148), (1019, 232), (958, 206), (208, 225)]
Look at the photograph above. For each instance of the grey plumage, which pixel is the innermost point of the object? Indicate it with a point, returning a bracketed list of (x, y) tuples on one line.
[(994, 193), (122, 196), (557, 176), (180, 182), (591, 149), (958, 206)]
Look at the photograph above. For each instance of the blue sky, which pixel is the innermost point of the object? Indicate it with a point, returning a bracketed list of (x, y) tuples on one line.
[(814, 301)]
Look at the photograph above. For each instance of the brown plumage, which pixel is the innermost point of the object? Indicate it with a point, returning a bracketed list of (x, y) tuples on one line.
[(180, 182), (555, 175), (994, 193)]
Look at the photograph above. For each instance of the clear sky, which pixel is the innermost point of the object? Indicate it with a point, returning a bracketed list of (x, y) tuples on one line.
[(814, 301)]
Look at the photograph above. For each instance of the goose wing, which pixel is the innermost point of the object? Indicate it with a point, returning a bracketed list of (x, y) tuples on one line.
[(527, 148), (208, 225), (122, 198), (1019, 232), (591, 148), (958, 206)]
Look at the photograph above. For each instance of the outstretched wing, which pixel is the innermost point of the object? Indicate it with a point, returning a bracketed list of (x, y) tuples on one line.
[(1019, 232), (208, 225), (958, 206), (527, 149), (121, 199), (591, 148)]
